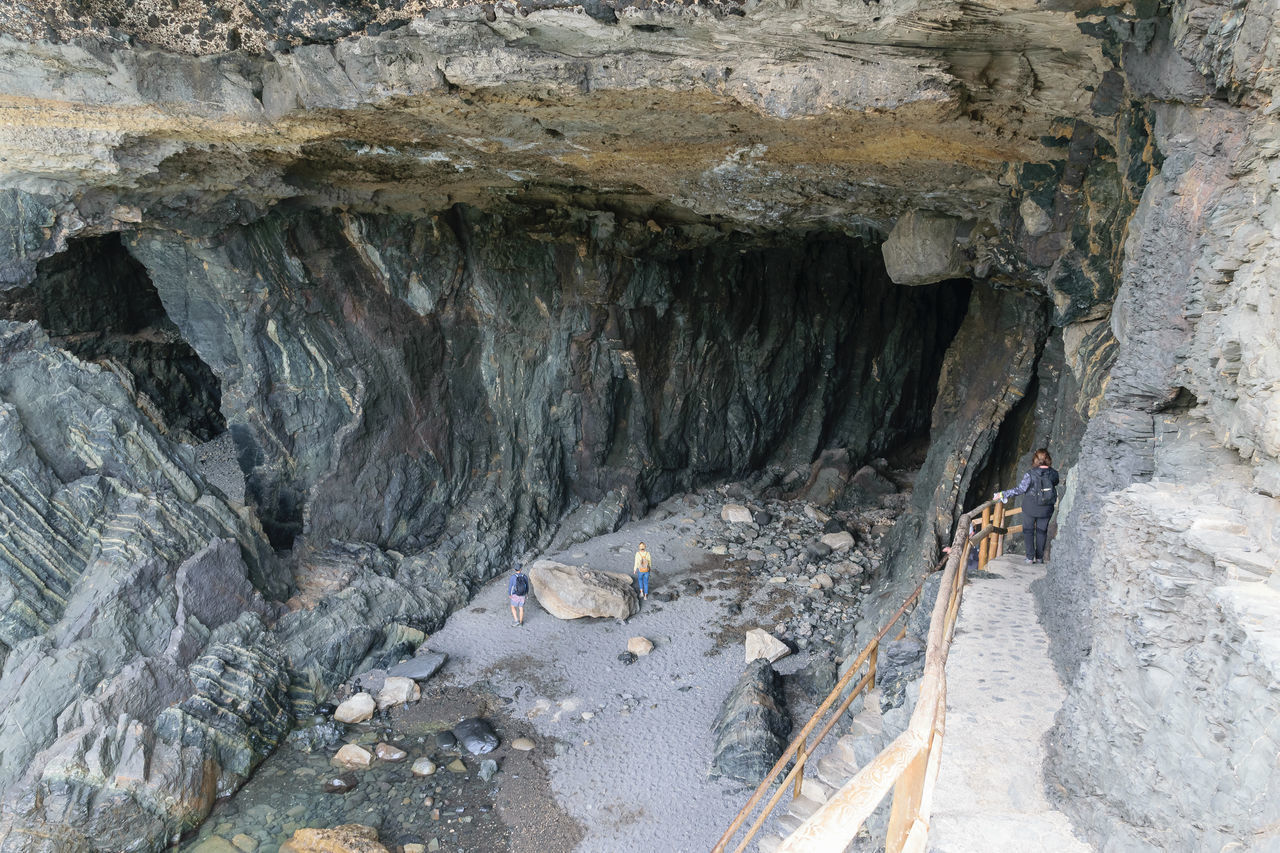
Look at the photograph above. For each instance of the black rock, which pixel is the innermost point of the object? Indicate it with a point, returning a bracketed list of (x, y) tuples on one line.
[(762, 518), (668, 596), (421, 667), (446, 740), (817, 678), (751, 730), (817, 550), (691, 586), (832, 526), (340, 784), (627, 658), (476, 735), (325, 735)]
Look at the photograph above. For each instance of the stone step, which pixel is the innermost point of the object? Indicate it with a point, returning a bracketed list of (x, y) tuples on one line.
[(802, 807), (812, 788), (789, 823), (846, 750), (769, 843), (834, 771)]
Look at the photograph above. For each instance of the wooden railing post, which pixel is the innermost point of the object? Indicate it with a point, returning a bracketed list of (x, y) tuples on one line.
[(801, 757), (906, 802), (871, 664), (983, 545), (998, 521)]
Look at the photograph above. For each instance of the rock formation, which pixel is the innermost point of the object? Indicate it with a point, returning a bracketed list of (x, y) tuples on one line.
[(460, 280)]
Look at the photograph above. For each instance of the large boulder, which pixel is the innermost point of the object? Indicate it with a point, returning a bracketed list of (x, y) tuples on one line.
[(751, 730), (923, 248), (571, 592), (761, 644)]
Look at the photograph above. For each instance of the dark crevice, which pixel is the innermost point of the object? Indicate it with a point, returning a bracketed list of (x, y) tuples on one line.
[(96, 301)]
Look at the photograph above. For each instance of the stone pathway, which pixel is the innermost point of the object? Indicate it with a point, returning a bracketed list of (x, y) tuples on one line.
[(1002, 694)]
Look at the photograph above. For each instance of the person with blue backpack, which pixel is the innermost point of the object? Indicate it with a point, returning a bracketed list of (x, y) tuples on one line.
[(517, 589), (1039, 488)]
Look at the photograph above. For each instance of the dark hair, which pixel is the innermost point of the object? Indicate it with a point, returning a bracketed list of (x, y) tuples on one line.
[(1042, 457)]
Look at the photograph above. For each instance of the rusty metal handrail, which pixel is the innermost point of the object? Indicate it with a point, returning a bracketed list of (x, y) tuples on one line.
[(910, 763), (798, 747)]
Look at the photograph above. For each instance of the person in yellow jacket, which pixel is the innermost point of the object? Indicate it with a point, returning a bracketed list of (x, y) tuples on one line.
[(643, 564)]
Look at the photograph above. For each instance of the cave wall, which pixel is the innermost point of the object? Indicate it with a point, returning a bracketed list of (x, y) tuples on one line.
[(1163, 587), (414, 360)]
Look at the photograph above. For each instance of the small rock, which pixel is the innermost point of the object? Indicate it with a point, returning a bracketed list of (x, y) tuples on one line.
[(433, 845), (352, 757), (423, 767), (351, 838), (397, 690), (523, 744), (841, 541), (627, 658), (488, 768), (639, 646), (244, 842), (414, 848), (446, 740), (456, 766), (339, 784), (429, 802), (357, 709), (777, 579), (215, 844), (736, 514), (587, 715), (420, 667), (387, 752), (761, 644), (822, 580), (476, 735)]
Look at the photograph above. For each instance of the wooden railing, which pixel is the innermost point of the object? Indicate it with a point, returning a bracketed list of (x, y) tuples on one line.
[(910, 763)]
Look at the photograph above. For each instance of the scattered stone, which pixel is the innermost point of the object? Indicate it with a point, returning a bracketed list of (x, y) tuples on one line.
[(572, 592), (639, 646), (814, 514), (446, 740), (351, 838), (761, 644), (778, 579), (323, 736), (214, 844), (751, 729), (357, 709), (244, 843), (627, 658), (423, 767), (398, 690), (488, 768), (433, 845), (841, 541), (387, 752), (817, 550), (414, 848), (420, 667), (762, 518), (523, 744), (456, 766), (339, 784), (476, 735), (352, 757), (736, 514), (822, 580), (588, 715)]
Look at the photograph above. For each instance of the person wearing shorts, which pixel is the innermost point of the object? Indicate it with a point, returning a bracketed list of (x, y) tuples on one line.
[(517, 589), (640, 569)]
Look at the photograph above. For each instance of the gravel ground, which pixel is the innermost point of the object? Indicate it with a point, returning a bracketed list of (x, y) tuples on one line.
[(635, 743)]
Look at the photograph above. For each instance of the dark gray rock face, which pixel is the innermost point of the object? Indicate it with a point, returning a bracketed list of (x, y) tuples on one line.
[(751, 729), (990, 364), (405, 369)]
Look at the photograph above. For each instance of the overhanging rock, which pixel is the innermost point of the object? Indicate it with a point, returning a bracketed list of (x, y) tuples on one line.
[(923, 249)]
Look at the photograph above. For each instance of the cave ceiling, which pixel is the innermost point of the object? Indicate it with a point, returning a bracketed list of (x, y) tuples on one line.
[(762, 117)]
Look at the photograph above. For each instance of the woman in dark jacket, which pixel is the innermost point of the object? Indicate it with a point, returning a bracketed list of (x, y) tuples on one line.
[(1039, 488)]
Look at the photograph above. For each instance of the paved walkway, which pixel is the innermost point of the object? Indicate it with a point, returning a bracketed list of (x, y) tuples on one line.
[(1002, 694)]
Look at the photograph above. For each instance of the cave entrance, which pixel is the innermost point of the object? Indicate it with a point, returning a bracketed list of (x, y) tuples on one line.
[(96, 301)]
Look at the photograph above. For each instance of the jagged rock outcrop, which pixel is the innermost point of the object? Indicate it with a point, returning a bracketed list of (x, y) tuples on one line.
[(750, 732)]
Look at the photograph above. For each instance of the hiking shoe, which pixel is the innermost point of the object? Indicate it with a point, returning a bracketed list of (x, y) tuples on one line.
[(1028, 561)]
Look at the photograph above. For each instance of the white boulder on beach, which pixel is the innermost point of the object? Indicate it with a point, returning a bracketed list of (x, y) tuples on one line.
[(761, 644), (356, 709), (735, 514), (572, 592)]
